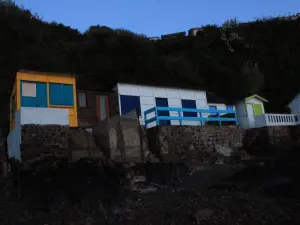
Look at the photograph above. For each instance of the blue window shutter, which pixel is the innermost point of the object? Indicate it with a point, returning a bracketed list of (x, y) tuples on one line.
[(213, 107), (68, 94), (61, 94), (41, 92), (129, 103), (189, 104)]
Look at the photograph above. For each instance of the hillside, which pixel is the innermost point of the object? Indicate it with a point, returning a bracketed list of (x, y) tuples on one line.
[(233, 60)]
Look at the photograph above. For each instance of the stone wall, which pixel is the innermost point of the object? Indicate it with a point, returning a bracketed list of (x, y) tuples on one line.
[(200, 143), (278, 135), (261, 138), (295, 133), (43, 140)]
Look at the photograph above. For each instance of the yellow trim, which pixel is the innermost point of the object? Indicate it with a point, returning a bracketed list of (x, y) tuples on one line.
[(18, 90), (60, 106), (48, 95), (11, 118), (256, 96), (45, 78)]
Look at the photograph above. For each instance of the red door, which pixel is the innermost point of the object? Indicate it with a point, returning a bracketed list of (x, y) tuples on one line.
[(102, 106)]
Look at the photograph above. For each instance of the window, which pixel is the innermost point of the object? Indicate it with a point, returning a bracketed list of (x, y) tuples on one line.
[(61, 94), (82, 99), (213, 108), (129, 103), (163, 102), (257, 109), (189, 104), (28, 89), (229, 107)]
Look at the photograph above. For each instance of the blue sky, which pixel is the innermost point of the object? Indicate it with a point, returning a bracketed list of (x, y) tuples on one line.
[(155, 17)]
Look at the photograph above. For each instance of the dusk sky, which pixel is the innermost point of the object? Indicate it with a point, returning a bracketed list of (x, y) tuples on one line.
[(155, 17)]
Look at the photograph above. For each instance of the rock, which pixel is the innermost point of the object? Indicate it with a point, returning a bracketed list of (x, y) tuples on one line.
[(223, 150), (138, 179), (148, 190), (244, 155), (219, 161), (203, 214)]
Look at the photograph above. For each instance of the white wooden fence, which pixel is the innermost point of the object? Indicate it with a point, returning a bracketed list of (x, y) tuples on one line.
[(266, 120)]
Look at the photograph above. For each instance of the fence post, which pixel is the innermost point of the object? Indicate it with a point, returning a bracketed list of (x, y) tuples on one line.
[(236, 120), (145, 119), (156, 117), (180, 120), (200, 116)]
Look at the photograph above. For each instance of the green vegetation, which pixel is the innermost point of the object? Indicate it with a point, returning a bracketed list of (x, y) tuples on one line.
[(234, 60)]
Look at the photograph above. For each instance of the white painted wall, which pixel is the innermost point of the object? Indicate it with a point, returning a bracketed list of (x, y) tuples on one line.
[(44, 116), (28, 115), (174, 95), (294, 105), (14, 139)]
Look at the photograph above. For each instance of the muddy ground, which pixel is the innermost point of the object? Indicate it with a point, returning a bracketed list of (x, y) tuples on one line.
[(91, 192)]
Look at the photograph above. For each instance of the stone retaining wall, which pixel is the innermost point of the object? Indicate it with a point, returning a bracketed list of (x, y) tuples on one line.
[(259, 138), (41, 140), (174, 143), (122, 139)]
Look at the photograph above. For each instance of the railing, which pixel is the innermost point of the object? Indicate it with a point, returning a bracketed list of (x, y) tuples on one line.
[(266, 120), (180, 117)]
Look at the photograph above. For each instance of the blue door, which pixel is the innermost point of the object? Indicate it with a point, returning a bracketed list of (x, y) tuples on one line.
[(189, 104), (33, 94), (163, 102)]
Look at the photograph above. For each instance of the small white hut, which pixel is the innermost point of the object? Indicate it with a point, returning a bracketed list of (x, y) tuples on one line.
[(248, 108)]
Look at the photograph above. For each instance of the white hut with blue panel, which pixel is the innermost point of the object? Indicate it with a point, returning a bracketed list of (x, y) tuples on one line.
[(180, 106)]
